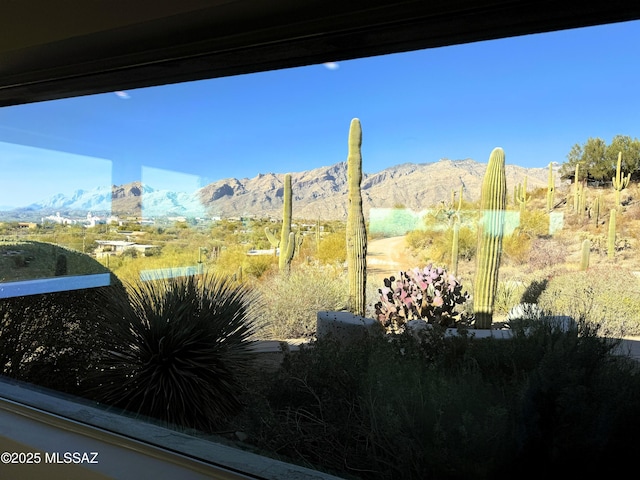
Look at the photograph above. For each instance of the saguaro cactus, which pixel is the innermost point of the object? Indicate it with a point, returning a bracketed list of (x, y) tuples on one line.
[(490, 231), (356, 230), (455, 246), (521, 196), (287, 237), (584, 257), (620, 182), (551, 188), (611, 240), (595, 209), (576, 188), (455, 243), (582, 200)]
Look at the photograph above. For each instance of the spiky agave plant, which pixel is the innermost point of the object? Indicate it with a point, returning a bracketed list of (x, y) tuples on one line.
[(175, 348)]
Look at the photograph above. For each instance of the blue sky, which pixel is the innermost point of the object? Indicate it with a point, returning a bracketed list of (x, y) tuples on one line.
[(535, 96)]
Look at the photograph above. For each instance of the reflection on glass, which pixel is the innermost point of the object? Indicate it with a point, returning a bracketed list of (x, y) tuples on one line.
[(170, 193), (50, 195), (195, 182)]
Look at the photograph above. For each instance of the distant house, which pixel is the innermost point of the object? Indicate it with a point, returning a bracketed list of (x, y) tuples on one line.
[(118, 247), (57, 218)]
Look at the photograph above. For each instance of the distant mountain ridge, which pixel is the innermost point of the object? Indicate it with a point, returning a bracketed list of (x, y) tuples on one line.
[(322, 192), (317, 193)]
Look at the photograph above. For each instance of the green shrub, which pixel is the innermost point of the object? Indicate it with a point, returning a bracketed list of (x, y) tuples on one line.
[(455, 407), (176, 349), (418, 240), (602, 295), (516, 248), (507, 296), (534, 223), (436, 245), (234, 257), (291, 302), (333, 249)]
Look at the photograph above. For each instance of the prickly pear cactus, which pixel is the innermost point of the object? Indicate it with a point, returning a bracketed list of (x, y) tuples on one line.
[(356, 231), (490, 231)]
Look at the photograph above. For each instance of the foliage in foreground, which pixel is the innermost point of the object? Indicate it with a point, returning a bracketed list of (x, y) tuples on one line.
[(455, 407), (49, 339), (175, 350)]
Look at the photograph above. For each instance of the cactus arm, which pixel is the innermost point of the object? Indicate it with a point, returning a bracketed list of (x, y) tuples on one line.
[(287, 255), (490, 231), (620, 182), (271, 236), (356, 231), (522, 197)]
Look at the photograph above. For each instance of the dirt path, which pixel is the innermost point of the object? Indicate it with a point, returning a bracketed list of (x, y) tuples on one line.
[(387, 256)]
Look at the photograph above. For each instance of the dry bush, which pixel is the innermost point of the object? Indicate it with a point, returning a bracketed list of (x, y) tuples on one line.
[(291, 302), (418, 240), (333, 249), (440, 248), (602, 295), (235, 259), (546, 253), (516, 248), (534, 223)]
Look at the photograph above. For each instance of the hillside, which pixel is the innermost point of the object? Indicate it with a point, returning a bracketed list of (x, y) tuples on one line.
[(321, 192)]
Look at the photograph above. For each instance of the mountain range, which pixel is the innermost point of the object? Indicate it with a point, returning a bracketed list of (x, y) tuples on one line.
[(317, 193)]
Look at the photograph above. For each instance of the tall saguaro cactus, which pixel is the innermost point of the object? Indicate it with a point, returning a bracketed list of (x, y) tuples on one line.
[(287, 237), (492, 203), (356, 230), (597, 202), (551, 188), (522, 197), (455, 248), (576, 188), (620, 182)]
